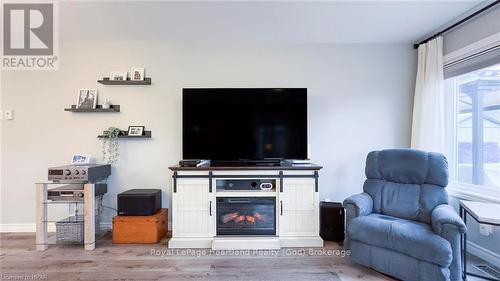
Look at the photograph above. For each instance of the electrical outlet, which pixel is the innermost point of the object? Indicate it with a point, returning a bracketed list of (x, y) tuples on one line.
[(8, 114), (485, 229)]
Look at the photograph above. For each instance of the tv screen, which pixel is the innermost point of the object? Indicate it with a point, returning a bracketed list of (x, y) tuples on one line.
[(244, 124)]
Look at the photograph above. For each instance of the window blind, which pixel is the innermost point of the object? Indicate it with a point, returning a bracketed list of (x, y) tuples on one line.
[(478, 59)]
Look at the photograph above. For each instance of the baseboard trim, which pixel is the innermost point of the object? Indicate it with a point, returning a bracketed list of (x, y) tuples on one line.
[(196, 243), (483, 253), (51, 227), (23, 227), (246, 243), (314, 241)]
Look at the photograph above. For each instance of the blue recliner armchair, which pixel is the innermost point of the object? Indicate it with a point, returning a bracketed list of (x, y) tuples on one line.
[(402, 224)]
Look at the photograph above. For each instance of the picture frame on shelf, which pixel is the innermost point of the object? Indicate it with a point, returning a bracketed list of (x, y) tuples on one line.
[(137, 74), (135, 131), (80, 159), (87, 98), (118, 75)]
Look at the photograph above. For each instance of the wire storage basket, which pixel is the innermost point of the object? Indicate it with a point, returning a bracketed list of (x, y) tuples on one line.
[(72, 228)]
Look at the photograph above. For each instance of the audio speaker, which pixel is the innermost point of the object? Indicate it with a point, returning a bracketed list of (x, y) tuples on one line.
[(332, 221), (139, 202)]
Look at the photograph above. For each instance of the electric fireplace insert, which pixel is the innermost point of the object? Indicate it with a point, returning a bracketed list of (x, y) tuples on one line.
[(246, 216)]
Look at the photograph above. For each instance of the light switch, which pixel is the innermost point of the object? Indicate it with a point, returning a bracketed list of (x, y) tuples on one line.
[(8, 114)]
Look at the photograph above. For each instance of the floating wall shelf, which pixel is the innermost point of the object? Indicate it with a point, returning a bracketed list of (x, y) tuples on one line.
[(106, 81), (146, 135), (112, 108)]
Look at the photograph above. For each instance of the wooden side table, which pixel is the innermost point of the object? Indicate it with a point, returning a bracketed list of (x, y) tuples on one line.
[(483, 213), (41, 215)]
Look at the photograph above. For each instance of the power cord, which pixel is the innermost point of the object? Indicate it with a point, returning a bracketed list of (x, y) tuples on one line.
[(102, 206), (116, 211)]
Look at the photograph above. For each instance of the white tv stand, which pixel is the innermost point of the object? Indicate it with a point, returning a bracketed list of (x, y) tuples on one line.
[(194, 208)]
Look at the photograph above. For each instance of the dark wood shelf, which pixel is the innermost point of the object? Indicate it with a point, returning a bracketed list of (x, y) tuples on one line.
[(112, 108), (106, 81), (247, 168), (124, 135)]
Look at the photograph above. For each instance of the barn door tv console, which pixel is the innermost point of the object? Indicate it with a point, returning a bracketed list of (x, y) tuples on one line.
[(245, 207)]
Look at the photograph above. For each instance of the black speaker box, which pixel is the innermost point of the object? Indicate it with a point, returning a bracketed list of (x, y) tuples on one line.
[(332, 221), (139, 202)]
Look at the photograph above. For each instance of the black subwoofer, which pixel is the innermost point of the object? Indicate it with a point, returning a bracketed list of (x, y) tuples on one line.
[(139, 202), (332, 221)]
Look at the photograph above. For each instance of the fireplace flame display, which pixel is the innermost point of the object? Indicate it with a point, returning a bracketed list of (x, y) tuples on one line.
[(242, 218), (246, 215)]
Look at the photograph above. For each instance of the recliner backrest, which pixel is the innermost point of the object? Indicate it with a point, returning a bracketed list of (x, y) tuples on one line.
[(406, 183)]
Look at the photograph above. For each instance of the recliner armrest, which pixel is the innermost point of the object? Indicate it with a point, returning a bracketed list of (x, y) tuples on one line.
[(362, 203), (445, 214)]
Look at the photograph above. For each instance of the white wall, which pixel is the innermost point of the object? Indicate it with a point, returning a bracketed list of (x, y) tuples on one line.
[(360, 99)]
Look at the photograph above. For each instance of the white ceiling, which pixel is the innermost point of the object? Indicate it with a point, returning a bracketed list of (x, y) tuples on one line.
[(258, 21)]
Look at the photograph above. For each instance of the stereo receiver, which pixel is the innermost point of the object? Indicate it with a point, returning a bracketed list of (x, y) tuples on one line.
[(80, 173), (74, 192)]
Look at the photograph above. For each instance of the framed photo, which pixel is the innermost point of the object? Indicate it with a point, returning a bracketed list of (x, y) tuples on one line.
[(87, 98), (135, 130), (118, 75), (137, 74), (80, 159)]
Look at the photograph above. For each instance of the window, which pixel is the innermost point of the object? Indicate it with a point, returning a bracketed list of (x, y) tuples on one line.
[(475, 141)]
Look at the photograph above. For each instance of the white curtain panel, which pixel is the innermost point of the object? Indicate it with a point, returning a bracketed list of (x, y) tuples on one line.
[(428, 107)]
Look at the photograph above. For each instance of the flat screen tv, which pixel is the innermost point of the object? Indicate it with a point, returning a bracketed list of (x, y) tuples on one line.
[(244, 124)]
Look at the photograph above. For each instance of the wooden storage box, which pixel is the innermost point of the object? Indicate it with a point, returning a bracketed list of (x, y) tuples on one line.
[(140, 229)]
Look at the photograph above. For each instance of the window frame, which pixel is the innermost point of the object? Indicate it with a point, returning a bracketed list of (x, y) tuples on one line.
[(458, 189)]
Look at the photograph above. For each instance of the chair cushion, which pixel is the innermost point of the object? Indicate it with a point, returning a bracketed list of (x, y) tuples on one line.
[(407, 166), (406, 183), (408, 237)]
